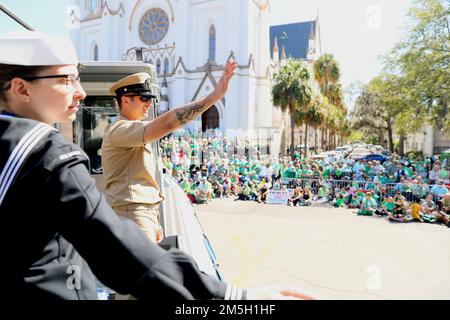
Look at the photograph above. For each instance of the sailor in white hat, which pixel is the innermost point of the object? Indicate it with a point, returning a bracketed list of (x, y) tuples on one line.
[(39, 77)]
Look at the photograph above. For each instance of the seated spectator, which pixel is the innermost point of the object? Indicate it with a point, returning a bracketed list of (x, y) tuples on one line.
[(446, 204), (254, 192), (443, 218), (306, 200), (244, 193), (322, 192), (226, 186), (218, 189), (296, 197), (428, 205), (387, 207), (434, 174), (416, 210), (357, 199), (444, 175), (339, 201), (204, 191), (444, 213), (331, 194), (439, 190), (368, 205), (263, 190), (185, 185), (399, 213)]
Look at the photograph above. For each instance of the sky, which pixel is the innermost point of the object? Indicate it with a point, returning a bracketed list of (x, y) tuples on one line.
[(356, 32)]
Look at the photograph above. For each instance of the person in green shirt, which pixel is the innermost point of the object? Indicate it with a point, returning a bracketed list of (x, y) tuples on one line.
[(387, 206), (409, 172), (356, 199), (323, 191), (444, 175), (184, 184), (254, 192), (244, 192), (326, 173), (339, 201), (368, 205), (384, 179)]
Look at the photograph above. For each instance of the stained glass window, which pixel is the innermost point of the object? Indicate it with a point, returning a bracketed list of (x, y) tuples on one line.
[(153, 26), (158, 66), (166, 66), (95, 52), (212, 44)]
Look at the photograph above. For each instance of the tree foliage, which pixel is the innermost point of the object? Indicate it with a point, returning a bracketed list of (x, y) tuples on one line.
[(414, 88), (292, 91)]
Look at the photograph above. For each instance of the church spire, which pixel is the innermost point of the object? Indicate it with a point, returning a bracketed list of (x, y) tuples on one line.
[(276, 51), (283, 54)]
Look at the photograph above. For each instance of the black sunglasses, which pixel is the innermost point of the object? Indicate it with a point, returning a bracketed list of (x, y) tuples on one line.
[(144, 99)]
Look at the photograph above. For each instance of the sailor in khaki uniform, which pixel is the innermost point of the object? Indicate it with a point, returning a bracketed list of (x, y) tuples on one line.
[(126, 150), (127, 158)]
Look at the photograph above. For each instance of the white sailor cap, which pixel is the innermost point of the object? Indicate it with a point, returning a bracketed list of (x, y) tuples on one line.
[(33, 48)]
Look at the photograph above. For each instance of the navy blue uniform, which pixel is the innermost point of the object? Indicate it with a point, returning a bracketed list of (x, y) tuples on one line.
[(58, 232)]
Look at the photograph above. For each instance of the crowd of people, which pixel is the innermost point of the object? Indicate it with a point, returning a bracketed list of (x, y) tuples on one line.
[(402, 189)]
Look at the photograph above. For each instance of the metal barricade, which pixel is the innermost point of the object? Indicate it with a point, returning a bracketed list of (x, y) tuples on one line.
[(409, 190)]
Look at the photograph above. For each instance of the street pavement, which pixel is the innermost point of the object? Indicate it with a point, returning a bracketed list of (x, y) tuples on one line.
[(330, 252)]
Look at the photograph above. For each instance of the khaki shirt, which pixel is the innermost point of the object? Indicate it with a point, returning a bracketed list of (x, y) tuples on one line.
[(128, 165)]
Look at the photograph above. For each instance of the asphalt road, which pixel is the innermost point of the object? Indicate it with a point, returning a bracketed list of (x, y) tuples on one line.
[(330, 252)]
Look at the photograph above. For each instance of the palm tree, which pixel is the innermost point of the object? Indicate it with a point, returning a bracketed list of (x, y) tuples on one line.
[(315, 114), (327, 73), (291, 91)]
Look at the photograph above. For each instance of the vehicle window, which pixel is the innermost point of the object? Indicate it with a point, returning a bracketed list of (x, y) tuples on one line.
[(97, 113)]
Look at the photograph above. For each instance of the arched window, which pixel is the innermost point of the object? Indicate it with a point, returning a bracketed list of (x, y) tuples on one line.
[(210, 119), (158, 66), (212, 44), (166, 66), (92, 6), (95, 52)]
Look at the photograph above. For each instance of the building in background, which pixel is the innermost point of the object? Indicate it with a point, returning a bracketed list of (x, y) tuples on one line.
[(428, 140)]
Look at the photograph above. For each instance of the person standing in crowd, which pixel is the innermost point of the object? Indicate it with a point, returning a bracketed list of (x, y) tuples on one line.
[(127, 153), (69, 234)]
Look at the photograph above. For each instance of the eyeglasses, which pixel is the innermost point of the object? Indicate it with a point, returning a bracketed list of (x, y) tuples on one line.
[(144, 99), (71, 80)]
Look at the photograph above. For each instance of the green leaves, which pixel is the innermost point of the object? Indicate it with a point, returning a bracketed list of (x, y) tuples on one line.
[(326, 72), (422, 61), (291, 89), (414, 89)]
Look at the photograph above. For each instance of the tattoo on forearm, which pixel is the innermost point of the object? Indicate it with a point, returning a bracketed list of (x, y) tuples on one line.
[(190, 112)]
